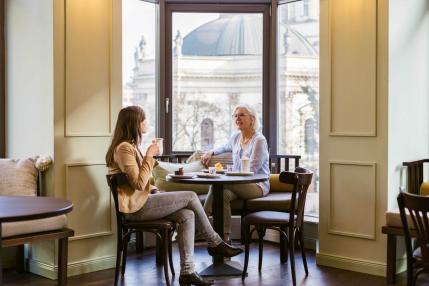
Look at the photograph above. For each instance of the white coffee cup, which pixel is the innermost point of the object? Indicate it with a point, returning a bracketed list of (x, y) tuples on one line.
[(244, 165), (160, 143), (212, 170)]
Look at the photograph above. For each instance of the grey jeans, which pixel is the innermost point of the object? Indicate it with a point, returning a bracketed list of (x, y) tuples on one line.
[(230, 193), (184, 208)]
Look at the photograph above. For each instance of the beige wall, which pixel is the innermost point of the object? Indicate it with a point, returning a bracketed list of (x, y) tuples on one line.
[(353, 134)]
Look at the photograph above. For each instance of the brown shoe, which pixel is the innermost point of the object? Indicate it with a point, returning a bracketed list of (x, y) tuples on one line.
[(193, 279), (225, 250)]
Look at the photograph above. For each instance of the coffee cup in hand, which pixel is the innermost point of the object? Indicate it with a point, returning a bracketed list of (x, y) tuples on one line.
[(160, 143)]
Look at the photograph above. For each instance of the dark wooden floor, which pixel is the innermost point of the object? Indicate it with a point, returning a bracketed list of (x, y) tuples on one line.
[(141, 270)]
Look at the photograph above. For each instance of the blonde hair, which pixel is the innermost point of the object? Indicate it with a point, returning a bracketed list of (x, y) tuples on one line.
[(252, 113)]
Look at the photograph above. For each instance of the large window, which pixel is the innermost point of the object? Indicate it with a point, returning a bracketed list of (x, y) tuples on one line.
[(207, 58), (298, 88), (217, 63), (139, 60)]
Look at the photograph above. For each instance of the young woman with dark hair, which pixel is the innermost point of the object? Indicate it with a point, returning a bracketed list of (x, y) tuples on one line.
[(141, 201)]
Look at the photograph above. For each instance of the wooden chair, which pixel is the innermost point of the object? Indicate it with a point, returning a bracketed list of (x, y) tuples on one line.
[(293, 220), (415, 175), (162, 228), (418, 209)]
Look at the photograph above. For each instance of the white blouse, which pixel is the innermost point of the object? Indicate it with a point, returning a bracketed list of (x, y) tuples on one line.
[(256, 150)]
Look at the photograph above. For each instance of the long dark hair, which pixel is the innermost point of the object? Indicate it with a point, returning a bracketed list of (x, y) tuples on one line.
[(127, 129)]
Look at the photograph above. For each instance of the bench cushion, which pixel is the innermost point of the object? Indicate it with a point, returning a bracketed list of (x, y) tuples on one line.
[(272, 202), (277, 186), (393, 218), (424, 189), (33, 226)]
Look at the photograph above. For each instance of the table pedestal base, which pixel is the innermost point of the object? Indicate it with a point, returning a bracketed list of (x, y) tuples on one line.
[(226, 269)]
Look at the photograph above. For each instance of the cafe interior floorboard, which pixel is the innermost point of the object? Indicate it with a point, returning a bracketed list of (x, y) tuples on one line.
[(141, 270)]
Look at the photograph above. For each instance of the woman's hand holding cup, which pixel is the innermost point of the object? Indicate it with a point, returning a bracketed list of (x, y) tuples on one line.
[(152, 150)]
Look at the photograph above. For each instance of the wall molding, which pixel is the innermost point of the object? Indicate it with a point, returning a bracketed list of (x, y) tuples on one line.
[(331, 230), (372, 130), (74, 268), (108, 133), (352, 264), (69, 165)]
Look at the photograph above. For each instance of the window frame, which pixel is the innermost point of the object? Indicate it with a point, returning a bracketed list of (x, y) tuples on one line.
[(269, 73)]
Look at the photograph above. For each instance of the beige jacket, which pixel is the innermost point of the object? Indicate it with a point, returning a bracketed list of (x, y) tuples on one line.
[(128, 159)]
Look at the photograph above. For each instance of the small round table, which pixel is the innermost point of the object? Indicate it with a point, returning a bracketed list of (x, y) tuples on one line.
[(219, 267), (20, 208)]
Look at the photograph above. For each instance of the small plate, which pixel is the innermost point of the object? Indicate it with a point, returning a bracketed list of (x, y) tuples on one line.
[(208, 176), (239, 173), (184, 176), (217, 172)]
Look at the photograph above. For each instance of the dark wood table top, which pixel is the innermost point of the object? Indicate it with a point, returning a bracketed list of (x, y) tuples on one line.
[(17, 208), (223, 179)]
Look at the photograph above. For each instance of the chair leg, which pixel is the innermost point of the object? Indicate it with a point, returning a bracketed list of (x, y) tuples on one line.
[(124, 254), (118, 257), (283, 246), (165, 236), (243, 230), (409, 273), (260, 231), (139, 242), (62, 260), (159, 251), (304, 258), (414, 278), (291, 239), (246, 236), (20, 259), (170, 251)]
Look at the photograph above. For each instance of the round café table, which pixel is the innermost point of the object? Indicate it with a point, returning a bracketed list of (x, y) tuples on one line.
[(20, 208), (219, 267)]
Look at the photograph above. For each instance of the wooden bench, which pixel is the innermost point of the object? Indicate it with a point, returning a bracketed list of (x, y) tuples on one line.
[(415, 179), (61, 234), (26, 210)]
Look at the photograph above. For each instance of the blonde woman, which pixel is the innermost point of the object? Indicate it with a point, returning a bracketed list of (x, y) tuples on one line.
[(247, 142), (142, 202)]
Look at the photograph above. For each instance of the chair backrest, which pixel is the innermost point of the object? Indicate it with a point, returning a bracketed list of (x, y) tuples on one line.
[(418, 208), (301, 180), (114, 181), (415, 174), (280, 163)]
